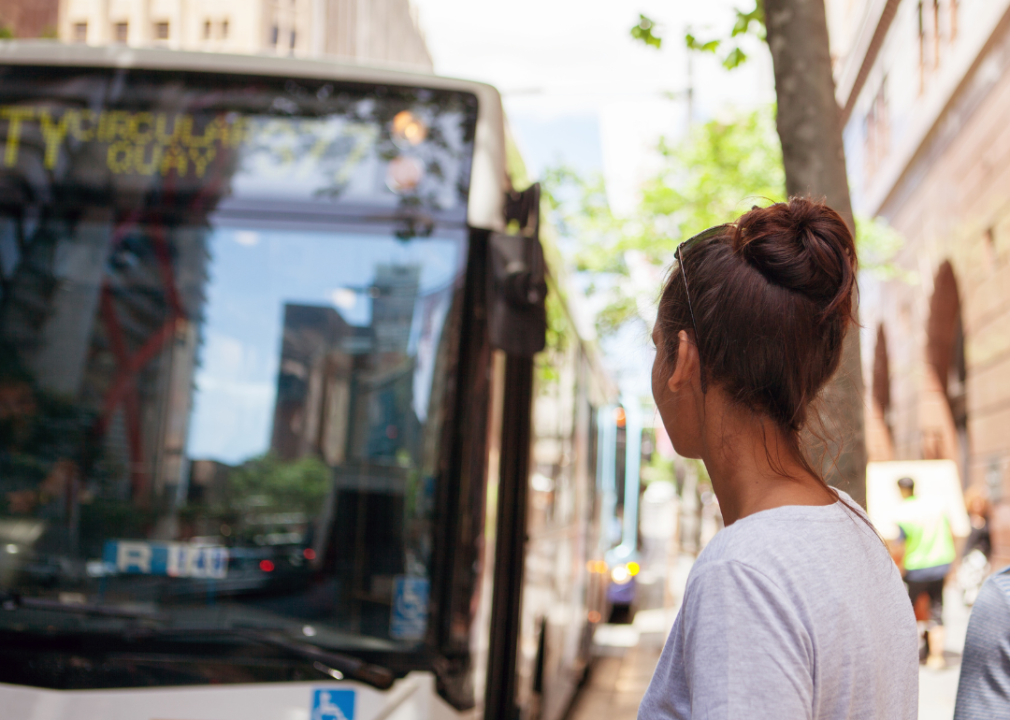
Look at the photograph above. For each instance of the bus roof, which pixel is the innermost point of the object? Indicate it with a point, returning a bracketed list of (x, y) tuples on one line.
[(489, 178)]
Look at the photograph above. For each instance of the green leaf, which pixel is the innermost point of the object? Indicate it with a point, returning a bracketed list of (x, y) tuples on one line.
[(743, 20), (694, 43), (712, 176), (877, 244), (735, 59), (644, 32)]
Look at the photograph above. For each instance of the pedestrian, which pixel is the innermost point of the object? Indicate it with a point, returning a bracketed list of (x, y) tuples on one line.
[(983, 692), (795, 609), (925, 550), (976, 501)]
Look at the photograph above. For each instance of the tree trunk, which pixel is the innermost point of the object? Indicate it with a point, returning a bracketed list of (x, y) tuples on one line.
[(809, 126)]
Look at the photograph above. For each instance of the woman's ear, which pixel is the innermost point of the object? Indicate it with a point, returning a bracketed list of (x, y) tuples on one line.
[(687, 363)]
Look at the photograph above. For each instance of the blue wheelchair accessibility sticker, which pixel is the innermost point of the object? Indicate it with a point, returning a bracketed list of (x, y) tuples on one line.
[(409, 620), (333, 705)]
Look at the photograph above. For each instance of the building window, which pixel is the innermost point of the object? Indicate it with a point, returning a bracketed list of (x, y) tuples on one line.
[(224, 29), (938, 24), (161, 31), (275, 34), (80, 32), (293, 39), (991, 253), (922, 46), (877, 132), (936, 34), (122, 32), (206, 29)]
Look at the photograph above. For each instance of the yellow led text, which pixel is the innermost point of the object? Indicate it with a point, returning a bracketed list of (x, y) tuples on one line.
[(143, 143)]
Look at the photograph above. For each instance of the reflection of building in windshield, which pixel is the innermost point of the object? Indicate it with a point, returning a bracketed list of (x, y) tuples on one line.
[(313, 385), (103, 317), (345, 393), (394, 295)]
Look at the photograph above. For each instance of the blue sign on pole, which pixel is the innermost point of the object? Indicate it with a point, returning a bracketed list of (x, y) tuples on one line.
[(333, 705), (409, 620)]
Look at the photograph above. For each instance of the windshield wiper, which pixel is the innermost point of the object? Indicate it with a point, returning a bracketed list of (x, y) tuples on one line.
[(337, 665), (13, 601)]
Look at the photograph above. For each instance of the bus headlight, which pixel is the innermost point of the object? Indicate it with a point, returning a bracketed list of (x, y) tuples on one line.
[(620, 574)]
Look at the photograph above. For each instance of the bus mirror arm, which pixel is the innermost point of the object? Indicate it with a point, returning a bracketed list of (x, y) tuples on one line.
[(517, 289), (521, 287), (517, 279)]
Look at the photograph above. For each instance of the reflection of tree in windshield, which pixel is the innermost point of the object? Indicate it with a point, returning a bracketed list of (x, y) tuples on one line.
[(263, 501), (298, 486), (334, 134)]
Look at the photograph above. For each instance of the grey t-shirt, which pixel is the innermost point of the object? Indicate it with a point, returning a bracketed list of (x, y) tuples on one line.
[(983, 692), (790, 613)]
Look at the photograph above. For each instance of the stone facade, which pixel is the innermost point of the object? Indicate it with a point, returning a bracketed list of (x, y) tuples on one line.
[(29, 18), (925, 90), (383, 32)]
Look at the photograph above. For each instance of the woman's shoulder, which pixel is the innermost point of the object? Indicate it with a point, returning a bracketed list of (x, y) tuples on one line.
[(794, 536)]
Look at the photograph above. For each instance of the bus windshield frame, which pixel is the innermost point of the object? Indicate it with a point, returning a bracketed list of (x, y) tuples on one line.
[(110, 193)]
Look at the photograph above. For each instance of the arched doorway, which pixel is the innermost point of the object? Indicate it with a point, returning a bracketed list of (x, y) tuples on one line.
[(945, 424), (879, 431)]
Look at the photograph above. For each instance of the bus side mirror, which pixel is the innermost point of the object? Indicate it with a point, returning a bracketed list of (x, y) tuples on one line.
[(517, 317)]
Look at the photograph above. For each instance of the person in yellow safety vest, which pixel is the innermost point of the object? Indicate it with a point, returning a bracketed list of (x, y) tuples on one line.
[(925, 554)]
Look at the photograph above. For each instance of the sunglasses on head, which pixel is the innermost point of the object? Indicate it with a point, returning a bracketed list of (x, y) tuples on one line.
[(704, 235)]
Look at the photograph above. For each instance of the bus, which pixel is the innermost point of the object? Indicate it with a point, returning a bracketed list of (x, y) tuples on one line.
[(573, 464), (267, 379)]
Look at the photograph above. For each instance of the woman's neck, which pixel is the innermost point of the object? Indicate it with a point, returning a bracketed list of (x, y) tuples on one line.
[(753, 465)]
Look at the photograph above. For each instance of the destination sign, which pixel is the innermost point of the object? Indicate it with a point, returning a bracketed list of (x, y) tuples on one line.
[(252, 142), (145, 143)]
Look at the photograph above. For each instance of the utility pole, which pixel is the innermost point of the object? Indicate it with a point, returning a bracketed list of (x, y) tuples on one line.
[(690, 84)]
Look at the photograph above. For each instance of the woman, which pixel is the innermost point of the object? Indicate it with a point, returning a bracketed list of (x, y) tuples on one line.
[(795, 610)]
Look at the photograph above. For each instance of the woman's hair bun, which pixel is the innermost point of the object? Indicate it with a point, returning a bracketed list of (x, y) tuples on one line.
[(803, 246)]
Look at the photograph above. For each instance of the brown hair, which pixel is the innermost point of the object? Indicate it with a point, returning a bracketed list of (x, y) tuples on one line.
[(772, 298)]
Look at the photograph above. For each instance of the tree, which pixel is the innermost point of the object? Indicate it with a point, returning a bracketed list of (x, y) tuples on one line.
[(809, 128), (722, 168)]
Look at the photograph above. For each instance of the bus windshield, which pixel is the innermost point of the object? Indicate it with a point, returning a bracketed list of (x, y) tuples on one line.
[(226, 337)]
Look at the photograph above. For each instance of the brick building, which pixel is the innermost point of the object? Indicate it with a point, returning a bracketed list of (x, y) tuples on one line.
[(29, 18), (370, 31), (924, 87)]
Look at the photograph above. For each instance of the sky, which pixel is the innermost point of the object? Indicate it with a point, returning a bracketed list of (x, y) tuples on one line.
[(255, 274), (579, 90)]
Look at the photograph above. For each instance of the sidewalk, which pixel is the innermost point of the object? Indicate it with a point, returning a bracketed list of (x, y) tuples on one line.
[(938, 688), (627, 657)]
